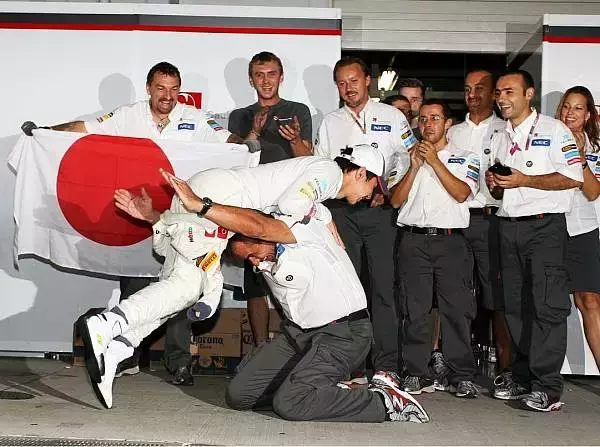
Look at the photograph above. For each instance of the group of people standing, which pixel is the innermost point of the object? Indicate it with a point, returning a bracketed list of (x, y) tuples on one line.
[(510, 198)]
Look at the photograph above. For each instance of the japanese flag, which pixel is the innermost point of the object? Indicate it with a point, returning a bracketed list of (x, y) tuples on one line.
[(64, 210)]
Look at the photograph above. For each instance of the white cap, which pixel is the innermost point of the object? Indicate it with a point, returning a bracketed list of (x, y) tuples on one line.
[(369, 158)]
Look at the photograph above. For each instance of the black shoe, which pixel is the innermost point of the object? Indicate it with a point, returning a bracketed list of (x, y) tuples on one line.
[(183, 377), (128, 367)]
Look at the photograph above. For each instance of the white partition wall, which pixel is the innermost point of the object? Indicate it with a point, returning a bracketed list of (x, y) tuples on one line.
[(65, 61)]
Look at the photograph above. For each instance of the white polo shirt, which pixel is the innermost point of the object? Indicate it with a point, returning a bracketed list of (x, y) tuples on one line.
[(313, 279), (186, 123), (429, 204), (551, 148), (378, 125), (583, 218), (477, 138), (296, 186)]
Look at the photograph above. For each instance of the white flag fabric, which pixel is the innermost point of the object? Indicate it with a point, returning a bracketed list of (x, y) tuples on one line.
[(63, 206)]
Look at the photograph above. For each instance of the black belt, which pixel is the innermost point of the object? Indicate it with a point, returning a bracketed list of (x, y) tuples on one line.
[(431, 231), (358, 315), (354, 316), (532, 217), (485, 211)]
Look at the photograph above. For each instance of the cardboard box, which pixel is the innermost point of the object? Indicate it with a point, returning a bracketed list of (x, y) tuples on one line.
[(213, 365), (215, 344)]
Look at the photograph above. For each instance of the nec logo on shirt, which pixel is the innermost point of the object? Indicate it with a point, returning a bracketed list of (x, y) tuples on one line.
[(381, 128), (186, 126), (458, 160), (541, 142)]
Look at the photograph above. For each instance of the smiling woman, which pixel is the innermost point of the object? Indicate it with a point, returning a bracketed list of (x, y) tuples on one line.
[(576, 109)]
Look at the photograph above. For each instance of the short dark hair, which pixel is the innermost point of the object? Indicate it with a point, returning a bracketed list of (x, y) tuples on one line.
[(262, 58), (164, 68), (439, 102), (493, 75), (411, 83), (393, 98), (347, 166), (528, 81), (350, 60)]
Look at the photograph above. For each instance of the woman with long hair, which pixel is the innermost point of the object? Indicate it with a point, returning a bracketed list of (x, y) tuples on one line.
[(577, 110)]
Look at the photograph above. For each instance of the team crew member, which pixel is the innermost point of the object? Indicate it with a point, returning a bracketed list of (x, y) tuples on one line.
[(546, 168), (284, 130), (161, 117), (323, 340), (576, 109), (433, 255), (401, 103), (414, 90), (192, 246), (475, 134), (369, 225)]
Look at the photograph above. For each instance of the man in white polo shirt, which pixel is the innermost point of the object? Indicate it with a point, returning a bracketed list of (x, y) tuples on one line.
[(475, 135), (545, 168), (369, 226), (433, 256), (326, 332)]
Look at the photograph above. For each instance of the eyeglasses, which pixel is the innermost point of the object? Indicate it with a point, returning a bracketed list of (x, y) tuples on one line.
[(434, 118)]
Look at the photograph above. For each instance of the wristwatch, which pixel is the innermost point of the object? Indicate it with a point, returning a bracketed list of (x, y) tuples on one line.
[(206, 205)]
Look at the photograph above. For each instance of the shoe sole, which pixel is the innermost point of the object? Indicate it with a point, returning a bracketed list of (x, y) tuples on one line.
[(128, 372), (416, 404), (95, 370), (428, 389), (99, 395), (519, 397), (556, 406)]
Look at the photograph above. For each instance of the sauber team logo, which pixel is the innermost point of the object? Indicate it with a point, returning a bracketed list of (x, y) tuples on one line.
[(193, 99)]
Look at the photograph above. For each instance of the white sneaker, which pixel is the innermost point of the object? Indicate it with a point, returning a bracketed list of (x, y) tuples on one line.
[(116, 352), (400, 405), (96, 335)]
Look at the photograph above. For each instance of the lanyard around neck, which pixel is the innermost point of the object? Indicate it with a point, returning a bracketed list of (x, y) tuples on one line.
[(530, 134), (363, 126)]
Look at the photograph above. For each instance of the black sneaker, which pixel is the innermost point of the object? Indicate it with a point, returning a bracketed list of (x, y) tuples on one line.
[(417, 385), (128, 367), (439, 370), (465, 389), (508, 389), (183, 377), (540, 401)]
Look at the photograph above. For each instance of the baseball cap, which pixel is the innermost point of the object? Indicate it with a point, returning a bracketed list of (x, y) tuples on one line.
[(369, 158)]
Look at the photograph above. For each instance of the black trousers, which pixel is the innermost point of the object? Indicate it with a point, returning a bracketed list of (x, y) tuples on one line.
[(442, 265), (177, 336), (536, 299), (374, 230), (483, 239)]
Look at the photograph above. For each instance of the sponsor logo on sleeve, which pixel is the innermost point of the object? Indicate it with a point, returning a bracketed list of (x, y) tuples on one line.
[(214, 125), (473, 170), (209, 260), (459, 160), (105, 117), (571, 153)]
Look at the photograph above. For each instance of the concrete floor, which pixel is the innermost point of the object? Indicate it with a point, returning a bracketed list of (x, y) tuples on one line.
[(147, 408)]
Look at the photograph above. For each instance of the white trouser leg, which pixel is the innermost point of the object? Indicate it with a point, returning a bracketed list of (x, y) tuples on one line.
[(145, 309)]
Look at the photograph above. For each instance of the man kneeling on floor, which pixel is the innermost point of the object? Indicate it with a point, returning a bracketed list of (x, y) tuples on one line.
[(326, 333)]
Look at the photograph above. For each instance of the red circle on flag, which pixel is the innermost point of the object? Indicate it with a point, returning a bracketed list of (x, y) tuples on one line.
[(90, 171)]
